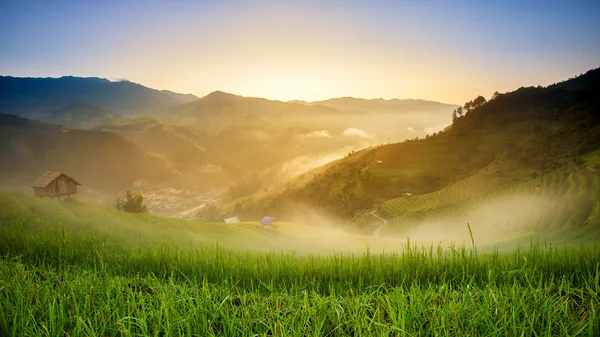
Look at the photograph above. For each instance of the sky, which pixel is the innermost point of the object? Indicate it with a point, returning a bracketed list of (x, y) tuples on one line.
[(448, 51)]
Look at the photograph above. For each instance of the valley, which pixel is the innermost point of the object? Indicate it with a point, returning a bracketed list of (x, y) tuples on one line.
[(170, 202), (132, 211)]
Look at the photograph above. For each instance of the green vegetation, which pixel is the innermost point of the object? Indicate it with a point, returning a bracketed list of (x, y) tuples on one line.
[(509, 144), (133, 203), (79, 269), (569, 193)]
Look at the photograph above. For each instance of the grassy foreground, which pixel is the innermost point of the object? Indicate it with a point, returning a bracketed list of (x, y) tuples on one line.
[(62, 274)]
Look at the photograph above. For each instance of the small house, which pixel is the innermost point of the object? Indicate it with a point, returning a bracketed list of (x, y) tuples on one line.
[(233, 219), (54, 184)]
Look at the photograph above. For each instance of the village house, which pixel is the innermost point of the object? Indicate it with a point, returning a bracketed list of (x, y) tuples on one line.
[(54, 184)]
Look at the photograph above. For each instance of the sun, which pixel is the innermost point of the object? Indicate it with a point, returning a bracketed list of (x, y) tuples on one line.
[(287, 88)]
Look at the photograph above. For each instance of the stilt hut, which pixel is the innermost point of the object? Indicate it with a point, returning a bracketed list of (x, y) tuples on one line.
[(54, 184)]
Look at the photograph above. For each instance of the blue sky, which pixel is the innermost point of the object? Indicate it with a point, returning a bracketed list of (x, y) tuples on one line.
[(448, 51)]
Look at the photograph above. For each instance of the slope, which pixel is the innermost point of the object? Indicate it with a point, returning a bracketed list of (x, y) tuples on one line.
[(497, 144), (554, 203), (81, 220), (80, 116), (182, 147), (99, 160)]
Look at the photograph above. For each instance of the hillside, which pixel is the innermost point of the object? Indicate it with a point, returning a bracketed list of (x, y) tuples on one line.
[(81, 269), (181, 147), (80, 116), (35, 97), (99, 160), (515, 139), (83, 219)]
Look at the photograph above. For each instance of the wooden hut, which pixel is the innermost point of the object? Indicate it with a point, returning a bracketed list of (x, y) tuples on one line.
[(54, 184)]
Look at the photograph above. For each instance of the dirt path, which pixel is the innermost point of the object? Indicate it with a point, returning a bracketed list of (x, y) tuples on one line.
[(384, 223), (190, 212)]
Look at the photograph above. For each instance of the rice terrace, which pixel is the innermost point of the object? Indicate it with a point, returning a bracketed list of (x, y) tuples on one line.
[(460, 198)]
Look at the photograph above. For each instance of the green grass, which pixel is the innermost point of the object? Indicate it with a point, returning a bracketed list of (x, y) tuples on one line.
[(83, 270)]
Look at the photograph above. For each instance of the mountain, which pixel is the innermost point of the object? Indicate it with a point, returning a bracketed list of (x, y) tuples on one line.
[(80, 115), (374, 120), (217, 111), (524, 161), (382, 105), (34, 97), (99, 160), (181, 147), (255, 140)]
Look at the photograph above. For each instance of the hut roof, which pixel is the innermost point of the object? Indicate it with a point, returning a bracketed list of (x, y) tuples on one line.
[(49, 177), (233, 219)]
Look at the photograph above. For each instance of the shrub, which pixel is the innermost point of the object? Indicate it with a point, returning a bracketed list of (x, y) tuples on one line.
[(132, 203)]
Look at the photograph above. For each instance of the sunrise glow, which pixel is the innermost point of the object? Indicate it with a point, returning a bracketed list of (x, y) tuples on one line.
[(306, 50)]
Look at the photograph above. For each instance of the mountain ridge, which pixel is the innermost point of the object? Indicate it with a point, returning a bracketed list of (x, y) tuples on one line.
[(35, 96)]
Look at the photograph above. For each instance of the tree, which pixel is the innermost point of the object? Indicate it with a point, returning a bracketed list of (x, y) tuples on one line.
[(495, 95), (454, 116), (132, 203), (474, 104), (479, 101), (468, 106)]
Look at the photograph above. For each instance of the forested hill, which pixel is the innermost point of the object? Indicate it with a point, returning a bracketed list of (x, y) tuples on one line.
[(515, 137), (36, 97), (97, 159)]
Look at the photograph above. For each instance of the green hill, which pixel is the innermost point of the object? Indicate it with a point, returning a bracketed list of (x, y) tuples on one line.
[(83, 219), (514, 143), (76, 269)]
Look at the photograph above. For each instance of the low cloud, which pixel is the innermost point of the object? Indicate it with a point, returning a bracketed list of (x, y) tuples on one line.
[(436, 128), (411, 129), (356, 133), (321, 133)]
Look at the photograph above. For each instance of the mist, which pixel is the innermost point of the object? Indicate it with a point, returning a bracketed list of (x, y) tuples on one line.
[(503, 222), (506, 220)]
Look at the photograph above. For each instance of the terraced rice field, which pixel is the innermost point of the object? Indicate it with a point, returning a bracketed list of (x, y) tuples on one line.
[(564, 198)]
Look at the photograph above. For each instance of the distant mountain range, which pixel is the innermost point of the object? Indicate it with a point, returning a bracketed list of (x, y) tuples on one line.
[(90, 102), (381, 105), (217, 111), (36, 97), (219, 137)]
